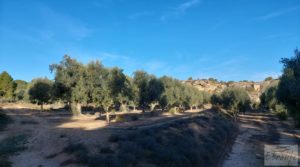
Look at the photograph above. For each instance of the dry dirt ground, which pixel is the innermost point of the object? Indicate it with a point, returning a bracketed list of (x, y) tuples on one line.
[(50, 132), (256, 130)]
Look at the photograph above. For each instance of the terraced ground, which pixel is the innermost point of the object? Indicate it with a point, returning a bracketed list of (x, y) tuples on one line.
[(51, 139)]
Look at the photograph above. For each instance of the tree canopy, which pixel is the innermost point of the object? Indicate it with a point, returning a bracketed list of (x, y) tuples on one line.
[(289, 85), (40, 91), (7, 87)]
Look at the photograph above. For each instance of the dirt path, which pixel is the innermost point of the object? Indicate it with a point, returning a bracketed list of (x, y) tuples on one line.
[(256, 130)]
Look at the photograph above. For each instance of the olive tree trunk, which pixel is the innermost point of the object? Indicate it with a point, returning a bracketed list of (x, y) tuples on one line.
[(76, 109)]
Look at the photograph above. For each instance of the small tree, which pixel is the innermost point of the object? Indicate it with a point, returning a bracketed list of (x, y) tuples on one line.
[(268, 98), (7, 86), (70, 83), (21, 90), (40, 91), (141, 80)]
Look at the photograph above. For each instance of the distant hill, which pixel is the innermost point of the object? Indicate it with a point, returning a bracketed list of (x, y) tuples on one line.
[(212, 86)]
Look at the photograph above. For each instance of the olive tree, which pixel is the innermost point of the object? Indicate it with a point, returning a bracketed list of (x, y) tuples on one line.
[(70, 83), (40, 91)]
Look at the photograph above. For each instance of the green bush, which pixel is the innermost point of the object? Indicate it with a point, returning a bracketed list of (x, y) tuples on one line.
[(172, 111), (281, 112), (233, 99), (268, 98), (120, 118)]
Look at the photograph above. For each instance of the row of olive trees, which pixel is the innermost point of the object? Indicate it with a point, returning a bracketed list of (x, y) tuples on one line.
[(78, 84)]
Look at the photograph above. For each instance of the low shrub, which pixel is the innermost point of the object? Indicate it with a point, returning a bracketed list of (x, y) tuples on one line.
[(281, 112), (134, 117), (172, 111), (11, 146), (114, 138), (80, 152), (120, 118)]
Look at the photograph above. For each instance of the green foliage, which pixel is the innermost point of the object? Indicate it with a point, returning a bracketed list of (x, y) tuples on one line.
[(281, 112), (181, 95), (21, 90), (120, 118), (268, 79), (172, 110), (69, 80), (212, 79), (111, 88), (40, 91), (7, 87), (233, 98), (11, 146), (289, 86), (149, 88), (268, 98)]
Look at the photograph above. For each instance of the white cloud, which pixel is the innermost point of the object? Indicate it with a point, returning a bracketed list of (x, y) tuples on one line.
[(277, 13), (180, 9)]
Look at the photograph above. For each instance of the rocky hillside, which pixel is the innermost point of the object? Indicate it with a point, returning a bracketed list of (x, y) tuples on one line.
[(254, 88)]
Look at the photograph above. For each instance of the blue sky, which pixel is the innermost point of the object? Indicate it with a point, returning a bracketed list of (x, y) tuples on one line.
[(224, 39)]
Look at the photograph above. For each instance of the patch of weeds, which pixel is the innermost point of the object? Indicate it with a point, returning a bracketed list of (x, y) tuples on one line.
[(120, 118), (134, 117), (11, 146), (29, 122), (79, 151), (62, 136), (105, 161), (52, 155), (4, 120), (114, 138)]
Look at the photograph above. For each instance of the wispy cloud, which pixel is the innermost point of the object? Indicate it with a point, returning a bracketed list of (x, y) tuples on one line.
[(277, 13), (138, 15), (180, 9), (57, 24)]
